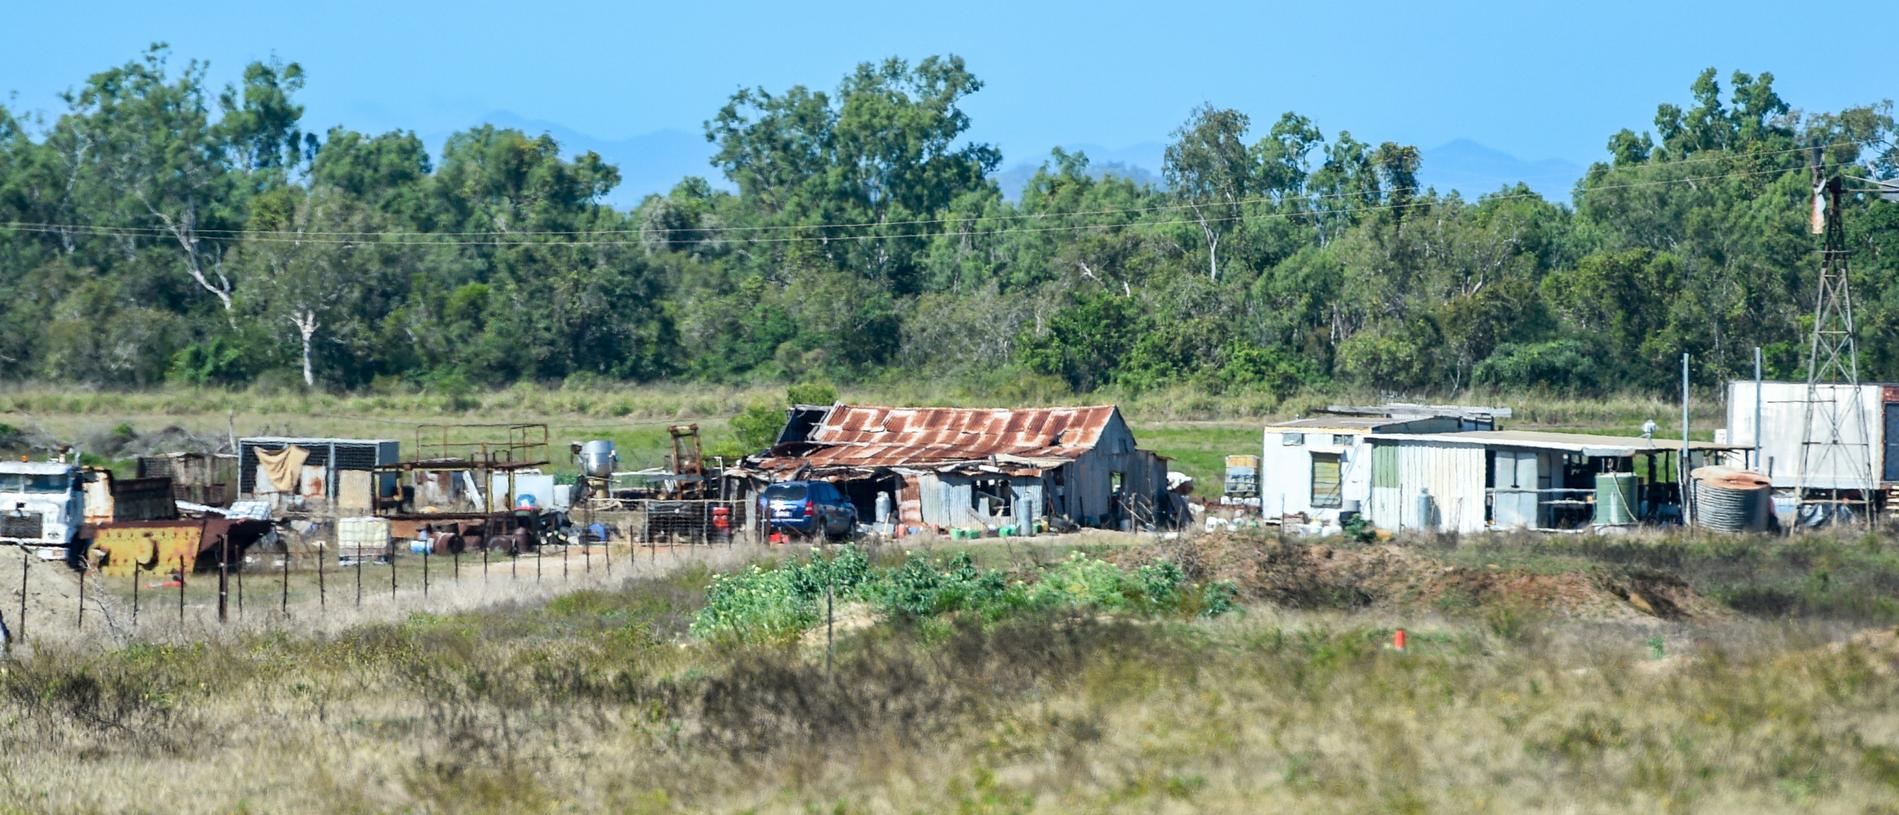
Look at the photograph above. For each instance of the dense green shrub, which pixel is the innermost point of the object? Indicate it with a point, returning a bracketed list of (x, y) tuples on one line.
[(779, 604), (755, 605)]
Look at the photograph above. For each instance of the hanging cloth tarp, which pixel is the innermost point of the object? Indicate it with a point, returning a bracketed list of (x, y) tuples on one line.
[(282, 467)]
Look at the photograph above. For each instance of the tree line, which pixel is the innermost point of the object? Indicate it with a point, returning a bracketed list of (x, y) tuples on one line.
[(162, 230)]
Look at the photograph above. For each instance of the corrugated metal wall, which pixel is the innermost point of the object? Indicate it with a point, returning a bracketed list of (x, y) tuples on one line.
[(946, 499), (1453, 475), (1088, 483)]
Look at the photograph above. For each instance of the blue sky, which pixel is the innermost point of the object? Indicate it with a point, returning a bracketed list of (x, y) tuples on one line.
[(1536, 80)]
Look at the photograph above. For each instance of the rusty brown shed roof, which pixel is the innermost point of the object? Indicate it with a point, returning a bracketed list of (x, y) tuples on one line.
[(863, 436)]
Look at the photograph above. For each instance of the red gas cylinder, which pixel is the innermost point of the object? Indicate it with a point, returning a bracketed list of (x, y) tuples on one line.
[(722, 518)]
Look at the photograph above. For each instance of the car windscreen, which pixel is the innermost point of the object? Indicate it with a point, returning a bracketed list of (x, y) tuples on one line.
[(35, 482), (785, 492)]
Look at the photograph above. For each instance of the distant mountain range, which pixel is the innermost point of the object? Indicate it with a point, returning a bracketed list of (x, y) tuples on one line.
[(1140, 162), (1463, 165), (654, 162), (1474, 169), (649, 162)]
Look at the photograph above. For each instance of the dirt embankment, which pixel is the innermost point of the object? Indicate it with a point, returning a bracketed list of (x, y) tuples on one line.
[(1299, 574)]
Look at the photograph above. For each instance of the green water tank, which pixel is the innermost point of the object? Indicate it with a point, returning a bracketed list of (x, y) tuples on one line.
[(1615, 499)]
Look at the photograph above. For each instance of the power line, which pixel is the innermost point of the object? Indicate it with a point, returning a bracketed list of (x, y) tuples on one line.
[(1262, 199), (530, 237)]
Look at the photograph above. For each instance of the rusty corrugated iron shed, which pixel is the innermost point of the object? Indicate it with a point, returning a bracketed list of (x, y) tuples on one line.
[(865, 437)]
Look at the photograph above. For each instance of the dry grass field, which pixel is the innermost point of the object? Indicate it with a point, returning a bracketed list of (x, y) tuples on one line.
[(1663, 672), (1660, 673)]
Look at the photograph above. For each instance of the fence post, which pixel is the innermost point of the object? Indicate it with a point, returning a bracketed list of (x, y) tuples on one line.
[(136, 567), (286, 581), (323, 599), (392, 569), (23, 556), (181, 594), (359, 575), (240, 590), (425, 569), (82, 596), (224, 581)]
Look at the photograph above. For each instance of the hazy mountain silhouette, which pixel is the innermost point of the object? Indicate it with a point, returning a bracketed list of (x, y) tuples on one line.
[(1474, 169), (649, 162), (1140, 163), (1468, 167), (653, 162)]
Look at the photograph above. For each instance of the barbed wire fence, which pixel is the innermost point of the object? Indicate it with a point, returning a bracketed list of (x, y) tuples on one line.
[(146, 600)]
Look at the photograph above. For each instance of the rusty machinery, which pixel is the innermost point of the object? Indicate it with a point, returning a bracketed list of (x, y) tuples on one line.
[(479, 453), (182, 546), (688, 463)]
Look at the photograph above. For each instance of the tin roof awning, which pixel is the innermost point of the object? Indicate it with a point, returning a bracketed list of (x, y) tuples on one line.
[(1339, 424), (1586, 443), (1412, 410)]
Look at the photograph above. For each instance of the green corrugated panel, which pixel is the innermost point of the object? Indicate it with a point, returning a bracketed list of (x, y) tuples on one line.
[(1384, 465), (1615, 498)]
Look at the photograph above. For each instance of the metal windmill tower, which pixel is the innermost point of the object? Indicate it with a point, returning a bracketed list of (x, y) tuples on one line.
[(1836, 447)]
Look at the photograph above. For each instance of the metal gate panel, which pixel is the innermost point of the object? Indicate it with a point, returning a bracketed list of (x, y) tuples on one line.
[(1513, 496)]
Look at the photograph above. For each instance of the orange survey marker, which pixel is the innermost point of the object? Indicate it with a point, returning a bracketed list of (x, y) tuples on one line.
[(1397, 639)]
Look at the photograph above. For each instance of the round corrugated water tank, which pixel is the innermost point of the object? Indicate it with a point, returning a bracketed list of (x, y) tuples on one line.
[(1729, 500)]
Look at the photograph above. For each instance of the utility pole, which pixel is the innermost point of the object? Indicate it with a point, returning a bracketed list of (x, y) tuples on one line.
[(1759, 465), (1835, 450), (1681, 461)]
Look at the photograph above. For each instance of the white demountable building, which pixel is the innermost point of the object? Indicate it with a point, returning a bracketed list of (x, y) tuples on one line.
[(1319, 465)]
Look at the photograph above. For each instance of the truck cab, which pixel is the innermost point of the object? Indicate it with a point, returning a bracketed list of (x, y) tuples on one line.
[(42, 503)]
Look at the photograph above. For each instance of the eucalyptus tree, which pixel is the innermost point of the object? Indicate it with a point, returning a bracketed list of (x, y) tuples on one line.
[(1209, 169)]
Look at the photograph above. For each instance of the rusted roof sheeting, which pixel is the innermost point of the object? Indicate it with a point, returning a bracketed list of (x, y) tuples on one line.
[(865, 436)]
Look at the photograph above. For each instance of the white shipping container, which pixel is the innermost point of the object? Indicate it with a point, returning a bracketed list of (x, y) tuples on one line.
[(1783, 409)]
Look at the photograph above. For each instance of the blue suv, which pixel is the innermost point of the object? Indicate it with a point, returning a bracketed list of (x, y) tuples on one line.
[(808, 508)]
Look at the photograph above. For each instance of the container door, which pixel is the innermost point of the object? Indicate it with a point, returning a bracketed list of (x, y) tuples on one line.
[(1890, 472), (1384, 509)]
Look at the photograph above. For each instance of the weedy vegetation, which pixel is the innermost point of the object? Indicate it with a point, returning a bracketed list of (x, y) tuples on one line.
[(1116, 678)]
